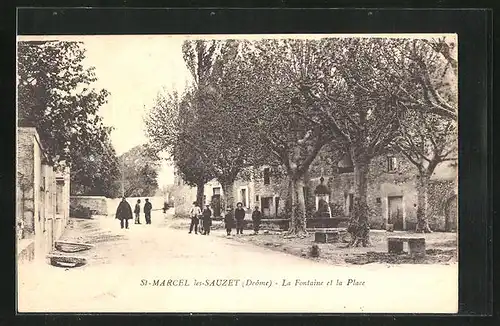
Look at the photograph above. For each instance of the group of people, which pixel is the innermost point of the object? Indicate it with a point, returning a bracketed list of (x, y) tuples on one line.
[(231, 219), (124, 212), (206, 218)]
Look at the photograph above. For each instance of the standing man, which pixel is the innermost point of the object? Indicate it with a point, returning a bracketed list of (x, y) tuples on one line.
[(207, 221), (137, 211), (228, 220), (239, 215), (124, 212), (147, 211), (195, 212), (256, 217)]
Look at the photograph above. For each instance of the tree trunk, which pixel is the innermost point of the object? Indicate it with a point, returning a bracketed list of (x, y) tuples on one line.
[(200, 191), (298, 213), (359, 227), (360, 190), (228, 189), (422, 203)]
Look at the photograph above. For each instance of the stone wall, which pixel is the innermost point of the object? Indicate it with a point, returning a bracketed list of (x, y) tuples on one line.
[(97, 204), (184, 196), (384, 186), (441, 193), (42, 205)]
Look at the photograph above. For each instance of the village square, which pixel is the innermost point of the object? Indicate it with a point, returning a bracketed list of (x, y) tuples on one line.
[(314, 164)]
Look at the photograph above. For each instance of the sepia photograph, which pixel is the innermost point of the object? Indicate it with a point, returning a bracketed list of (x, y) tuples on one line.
[(258, 173)]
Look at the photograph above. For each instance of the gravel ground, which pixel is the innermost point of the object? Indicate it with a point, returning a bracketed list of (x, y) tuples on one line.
[(440, 246)]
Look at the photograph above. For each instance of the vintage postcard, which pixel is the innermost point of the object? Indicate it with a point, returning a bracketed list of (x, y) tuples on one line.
[(237, 173)]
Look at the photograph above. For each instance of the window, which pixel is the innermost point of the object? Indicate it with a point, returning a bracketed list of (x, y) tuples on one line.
[(216, 191), (347, 169), (391, 164), (257, 198), (267, 176), (204, 200), (244, 197)]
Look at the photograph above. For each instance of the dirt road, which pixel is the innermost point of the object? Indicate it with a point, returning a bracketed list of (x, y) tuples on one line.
[(155, 268)]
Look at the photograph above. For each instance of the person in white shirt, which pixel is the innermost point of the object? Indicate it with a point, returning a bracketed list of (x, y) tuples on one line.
[(195, 213)]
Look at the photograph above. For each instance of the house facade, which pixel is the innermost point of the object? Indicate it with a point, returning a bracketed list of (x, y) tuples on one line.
[(392, 192), (42, 192)]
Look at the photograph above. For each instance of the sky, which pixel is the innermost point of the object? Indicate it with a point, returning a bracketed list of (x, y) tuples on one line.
[(134, 69)]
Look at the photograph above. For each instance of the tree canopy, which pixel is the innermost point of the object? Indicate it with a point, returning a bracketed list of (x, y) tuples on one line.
[(140, 172), (56, 96)]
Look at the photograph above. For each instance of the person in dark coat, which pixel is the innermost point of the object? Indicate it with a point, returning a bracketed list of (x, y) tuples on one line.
[(207, 220), (256, 217), (147, 211), (124, 213), (137, 211), (239, 215), (229, 220)]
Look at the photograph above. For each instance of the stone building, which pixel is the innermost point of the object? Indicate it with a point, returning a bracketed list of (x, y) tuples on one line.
[(42, 192), (263, 189), (392, 194)]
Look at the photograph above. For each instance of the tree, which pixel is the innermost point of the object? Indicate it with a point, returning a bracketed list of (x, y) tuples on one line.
[(95, 170), (193, 169), (139, 172), (364, 90), (427, 136), (426, 141), (355, 93), (286, 121), (434, 66), (55, 96), (209, 117)]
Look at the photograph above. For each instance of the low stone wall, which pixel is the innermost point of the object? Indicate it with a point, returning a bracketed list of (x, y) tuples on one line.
[(326, 222), (25, 250), (97, 204)]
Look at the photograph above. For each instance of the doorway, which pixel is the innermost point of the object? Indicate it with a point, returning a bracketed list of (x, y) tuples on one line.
[(216, 202), (395, 212), (266, 203)]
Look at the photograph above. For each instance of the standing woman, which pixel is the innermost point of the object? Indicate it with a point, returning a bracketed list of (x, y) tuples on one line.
[(124, 213), (207, 221), (239, 214), (229, 220), (256, 217)]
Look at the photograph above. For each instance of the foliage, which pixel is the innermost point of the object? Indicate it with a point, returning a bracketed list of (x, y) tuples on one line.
[(94, 170), (204, 128), (140, 173), (56, 97), (286, 122)]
